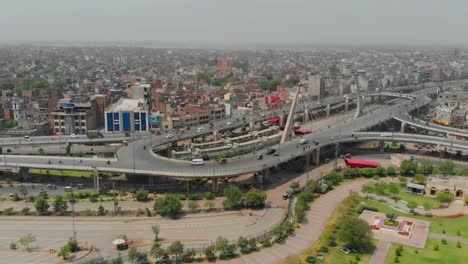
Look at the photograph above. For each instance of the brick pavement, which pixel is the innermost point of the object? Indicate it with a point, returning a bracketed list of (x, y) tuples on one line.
[(380, 252)]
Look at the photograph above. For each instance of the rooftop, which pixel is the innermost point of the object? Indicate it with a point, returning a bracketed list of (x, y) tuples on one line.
[(125, 104)]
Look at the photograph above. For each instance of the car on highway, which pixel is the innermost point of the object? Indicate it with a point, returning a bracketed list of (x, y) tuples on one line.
[(197, 162), (27, 138), (316, 142), (51, 186), (385, 135), (223, 161), (169, 136), (73, 135), (260, 157), (200, 129), (271, 151), (303, 141), (229, 123)]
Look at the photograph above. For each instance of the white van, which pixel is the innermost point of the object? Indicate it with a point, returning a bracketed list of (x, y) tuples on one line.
[(197, 162)]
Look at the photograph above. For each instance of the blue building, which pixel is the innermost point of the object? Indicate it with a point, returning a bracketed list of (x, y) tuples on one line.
[(127, 115)]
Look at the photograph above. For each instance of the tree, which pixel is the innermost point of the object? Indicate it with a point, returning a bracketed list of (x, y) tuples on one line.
[(408, 167), (243, 244), (157, 251), (380, 171), (367, 172), (426, 166), (412, 205), (210, 205), (176, 249), (209, 253), (255, 198), (420, 178), (445, 197), (427, 206), (42, 206), (221, 245), (253, 244), (140, 195), (136, 257), (101, 210), (233, 197), (394, 188), (295, 185), (391, 171), (65, 252), (447, 167), (60, 205), (40, 151), (156, 229), (169, 205), (193, 205), (26, 240), (356, 233)]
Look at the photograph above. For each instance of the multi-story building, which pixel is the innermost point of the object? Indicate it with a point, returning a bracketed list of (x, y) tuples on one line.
[(127, 115), (73, 118), (224, 64), (316, 86)]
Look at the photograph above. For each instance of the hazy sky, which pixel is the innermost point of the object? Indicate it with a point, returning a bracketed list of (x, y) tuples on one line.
[(428, 22)]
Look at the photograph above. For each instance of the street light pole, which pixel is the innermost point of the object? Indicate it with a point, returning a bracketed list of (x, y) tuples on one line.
[(73, 212)]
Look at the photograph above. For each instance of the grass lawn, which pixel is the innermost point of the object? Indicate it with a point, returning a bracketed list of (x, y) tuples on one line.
[(419, 199), (409, 197), (448, 254), (334, 255), (438, 225), (376, 145), (66, 173)]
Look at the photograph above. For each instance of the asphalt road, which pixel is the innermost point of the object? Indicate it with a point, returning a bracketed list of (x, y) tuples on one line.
[(136, 159)]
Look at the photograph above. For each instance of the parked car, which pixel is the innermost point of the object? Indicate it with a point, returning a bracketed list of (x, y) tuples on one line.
[(260, 157)]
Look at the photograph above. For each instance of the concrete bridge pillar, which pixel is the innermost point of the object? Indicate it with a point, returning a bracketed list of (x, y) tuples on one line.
[(68, 148), (346, 104), (96, 180), (402, 127), (251, 125), (328, 110), (151, 180), (214, 185), (281, 120), (24, 173), (381, 146), (316, 156)]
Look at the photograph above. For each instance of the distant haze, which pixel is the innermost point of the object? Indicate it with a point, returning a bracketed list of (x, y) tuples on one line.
[(237, 22)]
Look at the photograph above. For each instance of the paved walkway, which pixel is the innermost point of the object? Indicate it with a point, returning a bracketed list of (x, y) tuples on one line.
[(380, 252), (311, 228)]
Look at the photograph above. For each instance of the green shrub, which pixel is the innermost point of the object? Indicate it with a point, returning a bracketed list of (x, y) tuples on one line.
[(311, 259), (266, 242), (323, 249), (209, 195), (459, 245), (195, 196), (13, 245), (436, 247), (444, 242)]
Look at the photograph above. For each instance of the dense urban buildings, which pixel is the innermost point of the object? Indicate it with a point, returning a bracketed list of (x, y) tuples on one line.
[(186, 88)]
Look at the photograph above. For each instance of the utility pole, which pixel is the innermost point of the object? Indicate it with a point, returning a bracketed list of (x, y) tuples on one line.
[(73, 212)]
